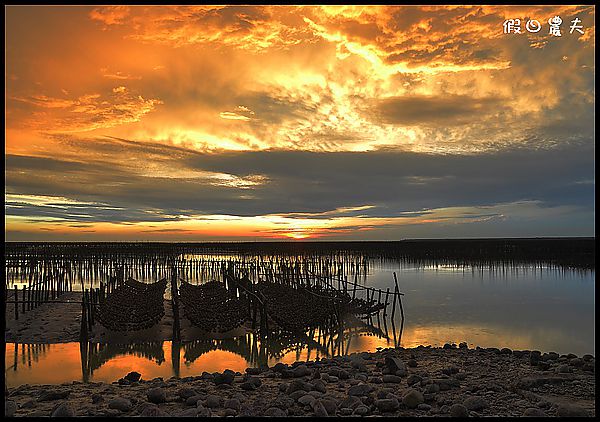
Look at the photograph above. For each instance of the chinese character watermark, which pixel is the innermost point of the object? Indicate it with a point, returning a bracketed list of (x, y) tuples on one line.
[(555, 26), (575, 26), (533, 25), (512, 25)]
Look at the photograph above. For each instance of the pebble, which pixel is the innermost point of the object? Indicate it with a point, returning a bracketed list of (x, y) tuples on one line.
[(157, 395), (301, 371), (412, 398), (193, 401), (387, 405), (319, 385), (564, 369), (395, 379), (565, 410), (532, 411), (224, 378), (120, 403), (319, 409), (212, 401), (345, 411), (53, 395), (97, 398), (202, 411), (63, 410), (186, 392), (133, 376), (230, 412), (155, 411), (360, 390), (475, 403), (361, 410), (306, 400), (188, 413), (329, 404), (232, 404), (275, 412), (459, 411), (10, 408)]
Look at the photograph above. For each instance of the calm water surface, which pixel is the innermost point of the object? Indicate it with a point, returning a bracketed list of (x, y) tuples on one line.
[(530, 308)]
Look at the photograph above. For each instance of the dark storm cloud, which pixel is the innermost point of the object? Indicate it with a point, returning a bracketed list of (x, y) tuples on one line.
[(391, 182), (427, 110)]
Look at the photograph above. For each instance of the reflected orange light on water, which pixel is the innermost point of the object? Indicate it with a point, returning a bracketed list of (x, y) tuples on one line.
[(59, 363), (214, 361)]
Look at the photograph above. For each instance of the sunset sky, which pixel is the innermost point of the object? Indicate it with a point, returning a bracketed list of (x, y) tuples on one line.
[(251, 123)]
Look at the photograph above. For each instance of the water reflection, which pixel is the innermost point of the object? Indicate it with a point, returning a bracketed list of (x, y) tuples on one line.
[(58, 363), (534, 307)]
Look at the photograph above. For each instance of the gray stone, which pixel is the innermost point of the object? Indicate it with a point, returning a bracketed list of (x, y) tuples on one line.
[(186, 392), (345, 411), (475, 403), (459, 411), (572, 410), (301, 371), (97, 398), (188, 413), (10, 408), (29, 404), (393, 364), (63, 410), (254, 371), (532, 411), (394, 379), (432, 388), (279, 367), (53, 395), (212, 401), (224, 378), (297, 385), (587, 357), (120, 403), (155, 411), (297, 394), (133, 376), (350, 402), (412, 398), (319, 385), (360, 390), (157, 395), (232, 404), (275, 412), (564, 369), (319, 409), (306, 400), (203, 412), (329, 404), (193, 401), (361, 410), (387, 405), (230, 412)]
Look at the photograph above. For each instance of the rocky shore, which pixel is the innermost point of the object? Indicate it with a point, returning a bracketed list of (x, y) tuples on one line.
[(424, 381)]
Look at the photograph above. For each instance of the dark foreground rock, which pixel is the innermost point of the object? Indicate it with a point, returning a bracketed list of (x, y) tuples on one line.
[(424, 381)]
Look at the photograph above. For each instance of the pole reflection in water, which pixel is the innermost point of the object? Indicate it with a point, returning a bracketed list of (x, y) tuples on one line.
[(86, 361)]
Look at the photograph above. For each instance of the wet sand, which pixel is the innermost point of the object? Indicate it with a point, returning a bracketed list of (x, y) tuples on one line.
[(424, 381)]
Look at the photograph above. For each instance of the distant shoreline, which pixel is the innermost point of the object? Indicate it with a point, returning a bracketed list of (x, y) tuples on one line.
[(570, 252)]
